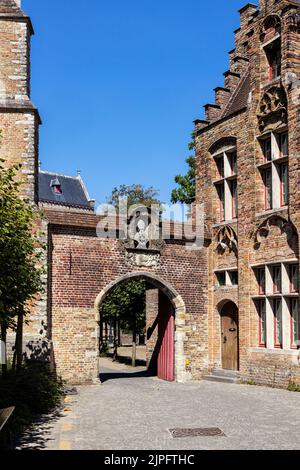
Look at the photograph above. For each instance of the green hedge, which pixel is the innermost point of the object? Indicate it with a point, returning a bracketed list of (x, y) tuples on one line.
[(32, 390)]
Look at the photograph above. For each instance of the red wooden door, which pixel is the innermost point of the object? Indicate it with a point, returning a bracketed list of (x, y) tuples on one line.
[(166, 327)]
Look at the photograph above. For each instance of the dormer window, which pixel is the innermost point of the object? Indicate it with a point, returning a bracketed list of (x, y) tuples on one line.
[(56, 186), (273, 53)]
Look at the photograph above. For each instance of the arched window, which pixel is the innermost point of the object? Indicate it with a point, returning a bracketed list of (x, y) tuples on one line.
[(271, 38)]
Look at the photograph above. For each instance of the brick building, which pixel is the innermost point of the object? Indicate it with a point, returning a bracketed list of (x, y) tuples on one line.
[(233, 304), (248, 178)]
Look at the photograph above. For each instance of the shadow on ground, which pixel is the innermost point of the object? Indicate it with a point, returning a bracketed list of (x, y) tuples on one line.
[(38, 436), (112, 375), (128, 360)]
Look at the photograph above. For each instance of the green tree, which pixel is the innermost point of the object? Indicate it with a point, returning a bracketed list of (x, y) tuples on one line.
[(186, 192), (20, 251), (136, 194), (124, 307), (125, 304)]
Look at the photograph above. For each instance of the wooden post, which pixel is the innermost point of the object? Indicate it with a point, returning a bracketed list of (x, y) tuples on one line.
[(115, 354), (19, 342), (134, 345), (119, 334), (101, 336)]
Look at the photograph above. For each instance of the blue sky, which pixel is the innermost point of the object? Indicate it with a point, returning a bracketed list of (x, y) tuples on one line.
[(119, 83)]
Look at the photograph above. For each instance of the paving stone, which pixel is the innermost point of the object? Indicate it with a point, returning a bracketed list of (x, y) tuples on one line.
[(135, 412)]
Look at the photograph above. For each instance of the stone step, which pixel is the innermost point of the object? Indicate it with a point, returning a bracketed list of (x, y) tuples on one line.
[(224, 376), (225, 373), (217, 378)]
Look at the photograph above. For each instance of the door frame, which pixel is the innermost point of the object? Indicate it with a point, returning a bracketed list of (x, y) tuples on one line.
[(221, 310)]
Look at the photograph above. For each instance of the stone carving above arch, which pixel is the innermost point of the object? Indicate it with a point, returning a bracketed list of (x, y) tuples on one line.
[(226, 240), (272, 111), (263, 231), (143, 259), (144, 230)]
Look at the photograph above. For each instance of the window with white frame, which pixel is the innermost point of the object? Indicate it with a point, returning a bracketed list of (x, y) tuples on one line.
[(277, 312), (295, 322), (227, 278), (226, 184), (276, 298), (261, 310), (274, 170)]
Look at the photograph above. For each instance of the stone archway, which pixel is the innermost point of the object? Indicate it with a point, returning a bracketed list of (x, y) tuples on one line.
[(180, 315)]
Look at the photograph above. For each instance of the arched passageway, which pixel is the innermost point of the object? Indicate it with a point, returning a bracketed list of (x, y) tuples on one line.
[(165, 319)]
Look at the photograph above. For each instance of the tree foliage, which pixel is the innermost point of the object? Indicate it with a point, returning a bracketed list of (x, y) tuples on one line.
[(20, 276), (186, 192), (136, 194), (126, 304)]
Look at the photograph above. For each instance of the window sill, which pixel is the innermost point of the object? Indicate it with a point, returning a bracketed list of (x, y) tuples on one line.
[(281, 159), (273, 81), (275, 351), (271, 211), (219, 181), (226, 287), (264, 165), (235, 268), (274, 38), (275, 296), (225, 222)]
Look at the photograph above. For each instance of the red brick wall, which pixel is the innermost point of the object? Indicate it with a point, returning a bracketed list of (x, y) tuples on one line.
[(267, 367), (83, 265)]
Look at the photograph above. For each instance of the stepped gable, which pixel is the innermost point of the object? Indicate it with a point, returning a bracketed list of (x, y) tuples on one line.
[(233, 96), (10, 8)]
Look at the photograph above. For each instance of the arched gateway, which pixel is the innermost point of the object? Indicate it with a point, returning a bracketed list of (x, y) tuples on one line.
[(85, 267), (170, 319)]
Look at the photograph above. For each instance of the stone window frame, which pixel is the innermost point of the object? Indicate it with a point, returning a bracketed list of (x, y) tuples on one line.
[(260, 305), (273, 50), (294, 344), (270, 37), (274, 165), (286, 295), (225, 182), (228, 278)]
